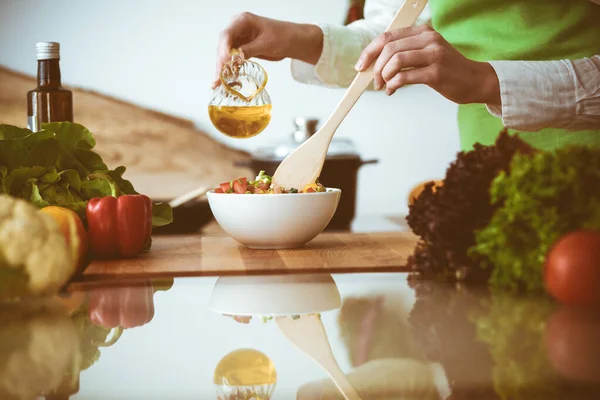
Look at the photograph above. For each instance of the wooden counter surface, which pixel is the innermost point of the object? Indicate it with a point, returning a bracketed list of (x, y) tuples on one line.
[(196, 255)]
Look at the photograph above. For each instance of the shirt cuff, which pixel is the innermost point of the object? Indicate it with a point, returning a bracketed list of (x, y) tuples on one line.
[(535, 94), (308, 73), (342, 45)]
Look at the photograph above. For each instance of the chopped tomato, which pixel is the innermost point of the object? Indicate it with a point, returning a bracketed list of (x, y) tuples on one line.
[(240, 186), (311, 188), (227, 186), (263, 184)]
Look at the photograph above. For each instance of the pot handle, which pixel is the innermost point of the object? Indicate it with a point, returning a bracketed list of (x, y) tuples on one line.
[(373, 161), (240, 164)]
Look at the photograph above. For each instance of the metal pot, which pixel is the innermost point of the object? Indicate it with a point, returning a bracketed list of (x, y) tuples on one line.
[(340, 169)]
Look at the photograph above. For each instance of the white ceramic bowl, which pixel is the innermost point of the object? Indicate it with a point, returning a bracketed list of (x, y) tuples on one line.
[(275, 295), (274, 221)]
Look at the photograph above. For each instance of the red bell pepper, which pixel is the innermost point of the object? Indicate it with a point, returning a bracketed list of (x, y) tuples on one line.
[(119, 226), (122, 307)]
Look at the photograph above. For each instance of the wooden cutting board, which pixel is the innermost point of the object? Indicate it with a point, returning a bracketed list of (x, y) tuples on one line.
[(196, 255)]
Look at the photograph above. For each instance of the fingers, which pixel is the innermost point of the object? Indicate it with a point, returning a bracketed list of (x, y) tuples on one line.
[(225, 43), (428, 75), (253, 48), (247, 50), (374, 49), (241, 30), (402, 60), (397, 54), (223, 54)]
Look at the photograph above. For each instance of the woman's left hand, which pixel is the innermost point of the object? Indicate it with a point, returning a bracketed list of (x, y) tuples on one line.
[(421, 55)]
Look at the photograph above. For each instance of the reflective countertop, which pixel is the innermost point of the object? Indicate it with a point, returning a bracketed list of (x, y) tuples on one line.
[(392, 337)]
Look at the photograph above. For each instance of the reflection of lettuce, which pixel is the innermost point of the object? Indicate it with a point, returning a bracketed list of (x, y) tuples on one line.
[(54, 166), (90, 335), (513, 327)]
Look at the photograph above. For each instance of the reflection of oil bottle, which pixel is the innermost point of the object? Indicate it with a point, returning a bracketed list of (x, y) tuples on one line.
[(49, 101), (245, 374)]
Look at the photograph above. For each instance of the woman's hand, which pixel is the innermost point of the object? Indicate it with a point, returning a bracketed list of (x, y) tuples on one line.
[(268, 39), (421, 55)]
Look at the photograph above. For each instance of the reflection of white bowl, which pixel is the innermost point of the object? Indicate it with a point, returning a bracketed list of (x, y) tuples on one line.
[(275, 295), (274, 221)]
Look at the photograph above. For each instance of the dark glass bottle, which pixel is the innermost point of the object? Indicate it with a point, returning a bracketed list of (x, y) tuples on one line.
[(49, 102)]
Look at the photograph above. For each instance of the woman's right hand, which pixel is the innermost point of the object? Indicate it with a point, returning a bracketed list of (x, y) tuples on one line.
[(268, 39)]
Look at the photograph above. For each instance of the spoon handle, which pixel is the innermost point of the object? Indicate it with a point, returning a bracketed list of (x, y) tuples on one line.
[(308, 334), (406, 16)]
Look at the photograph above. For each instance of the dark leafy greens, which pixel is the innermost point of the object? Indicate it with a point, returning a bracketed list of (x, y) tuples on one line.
[(54, 167), (446, 219)]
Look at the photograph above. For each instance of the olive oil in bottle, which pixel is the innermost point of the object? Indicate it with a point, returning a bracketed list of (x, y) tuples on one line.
[(240, 121), (49, 102)]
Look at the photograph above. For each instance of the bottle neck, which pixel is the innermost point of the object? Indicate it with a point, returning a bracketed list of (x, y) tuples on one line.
[(49, 73)]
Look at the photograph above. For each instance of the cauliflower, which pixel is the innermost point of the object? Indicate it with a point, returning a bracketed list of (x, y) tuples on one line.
[(34, 257)]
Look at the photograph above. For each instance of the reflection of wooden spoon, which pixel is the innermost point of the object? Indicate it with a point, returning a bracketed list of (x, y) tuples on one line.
[(308, 334)]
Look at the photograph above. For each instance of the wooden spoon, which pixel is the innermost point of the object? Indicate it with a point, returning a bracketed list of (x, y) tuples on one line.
[(303, 166), (308, 334)]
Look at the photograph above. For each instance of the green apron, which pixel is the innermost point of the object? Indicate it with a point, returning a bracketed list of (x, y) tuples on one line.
[(487, 30)]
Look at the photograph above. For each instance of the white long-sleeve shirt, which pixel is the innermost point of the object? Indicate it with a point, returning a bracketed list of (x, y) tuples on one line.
[(534, 94)]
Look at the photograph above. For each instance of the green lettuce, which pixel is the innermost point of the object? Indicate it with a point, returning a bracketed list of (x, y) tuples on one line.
[(54, 166), (76, 143), (543, 197)]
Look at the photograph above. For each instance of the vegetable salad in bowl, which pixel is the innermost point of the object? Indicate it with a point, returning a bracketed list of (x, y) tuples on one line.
[(296, 216), (263, 184)]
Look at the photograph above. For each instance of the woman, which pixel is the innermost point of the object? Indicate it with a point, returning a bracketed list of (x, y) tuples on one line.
[(469, 55)]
